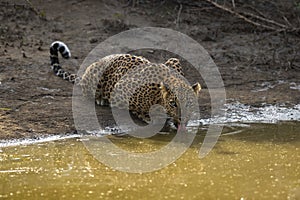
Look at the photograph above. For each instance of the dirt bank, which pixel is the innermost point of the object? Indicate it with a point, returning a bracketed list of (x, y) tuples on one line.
[(257, 65)]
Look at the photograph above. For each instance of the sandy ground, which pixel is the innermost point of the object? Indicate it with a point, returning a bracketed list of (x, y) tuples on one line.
[(257, 66)]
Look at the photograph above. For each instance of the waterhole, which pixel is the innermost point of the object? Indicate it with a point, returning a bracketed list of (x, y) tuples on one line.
[(249, 161)]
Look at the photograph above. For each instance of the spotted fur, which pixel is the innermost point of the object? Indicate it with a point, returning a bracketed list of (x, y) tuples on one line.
[(112, 75), (60, 47)]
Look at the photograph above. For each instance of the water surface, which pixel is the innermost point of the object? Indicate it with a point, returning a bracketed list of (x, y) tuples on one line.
[(249, 161)]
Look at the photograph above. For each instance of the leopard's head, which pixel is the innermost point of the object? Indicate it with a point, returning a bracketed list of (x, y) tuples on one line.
[(180, 101)]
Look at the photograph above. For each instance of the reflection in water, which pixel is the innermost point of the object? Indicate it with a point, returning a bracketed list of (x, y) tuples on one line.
[(259, 161)]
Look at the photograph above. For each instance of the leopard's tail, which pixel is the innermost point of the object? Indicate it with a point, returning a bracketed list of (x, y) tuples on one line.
[(61, 47)]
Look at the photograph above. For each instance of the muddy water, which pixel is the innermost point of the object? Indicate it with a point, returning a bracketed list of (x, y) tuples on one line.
[(256, 161)]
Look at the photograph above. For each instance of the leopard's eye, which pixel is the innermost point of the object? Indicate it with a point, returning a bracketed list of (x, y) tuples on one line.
[(172, 104)]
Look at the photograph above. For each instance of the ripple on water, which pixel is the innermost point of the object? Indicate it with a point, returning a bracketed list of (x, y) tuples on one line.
[(241, 113)]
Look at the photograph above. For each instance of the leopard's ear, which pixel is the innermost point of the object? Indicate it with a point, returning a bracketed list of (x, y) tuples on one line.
[(164, 90), (196, 87)]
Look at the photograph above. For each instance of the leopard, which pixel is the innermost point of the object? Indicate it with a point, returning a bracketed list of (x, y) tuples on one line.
[(132, 82)]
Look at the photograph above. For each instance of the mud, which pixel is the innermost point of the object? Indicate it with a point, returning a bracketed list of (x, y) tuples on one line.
[(258, 67)]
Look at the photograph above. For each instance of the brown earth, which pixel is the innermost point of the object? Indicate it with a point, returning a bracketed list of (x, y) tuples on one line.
[(251, 59)]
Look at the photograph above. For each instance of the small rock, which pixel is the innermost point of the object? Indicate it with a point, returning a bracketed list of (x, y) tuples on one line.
[(93, 40), (24, 55)]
